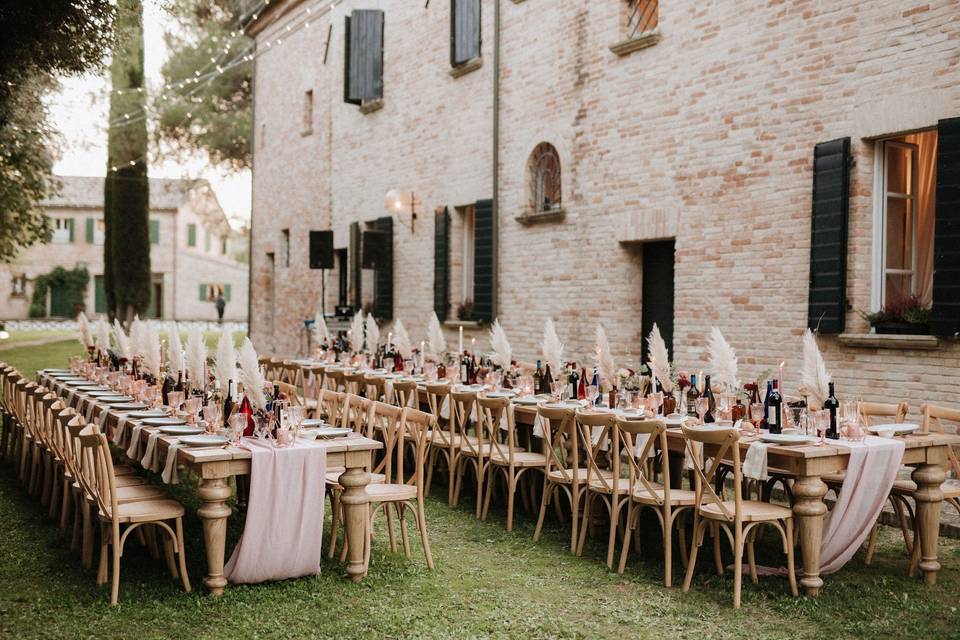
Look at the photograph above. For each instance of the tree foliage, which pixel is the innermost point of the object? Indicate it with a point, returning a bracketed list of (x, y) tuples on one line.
[(208, 104), (41, 40), (126, 247)]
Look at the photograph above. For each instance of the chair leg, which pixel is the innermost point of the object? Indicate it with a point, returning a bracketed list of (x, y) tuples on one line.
[(335, 522), (717, 556), (431, 463), (872, 544), (682, 536), (614, 524), (791, 572), (456, 478), (627, 536), (168, 555), (115, 585), (87, 550), (424, 539), (900, 507), (575, 519), (547, 488), (182, 556), (491, 477), (697, 536), (667, 546), (752, 558), (104, 555), (453, 461), (511, 496), (390, 534), (55, 483), (65, 504), (737, 565), (402, 516), (588, 499)]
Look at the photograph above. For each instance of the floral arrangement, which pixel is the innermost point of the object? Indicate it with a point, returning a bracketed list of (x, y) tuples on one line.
[(683, 380)]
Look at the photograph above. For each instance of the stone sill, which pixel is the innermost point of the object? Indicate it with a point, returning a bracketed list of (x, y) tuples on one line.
[(536, 217), (463, 69), (371, 106), (306, 132), (636, 43), (887, 341), (466, 324)]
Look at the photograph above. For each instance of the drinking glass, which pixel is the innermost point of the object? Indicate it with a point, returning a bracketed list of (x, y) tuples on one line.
[(821, 422), (724, 407), (238, 423), (593, 392), (150, 396), (260, 427), (174, 400), (559, 390), (756, 413), (430, 371), (702, 405), (295, 415), (191, 407), (656, 401), (211, 415)]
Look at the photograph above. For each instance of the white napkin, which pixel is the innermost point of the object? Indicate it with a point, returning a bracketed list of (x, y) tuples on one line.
[(170, 473), (150, 458), (119, 433), (70, 396), (102, 421), (755, 462), (687, 460), (133, 451), (388, 391), (90, 407)]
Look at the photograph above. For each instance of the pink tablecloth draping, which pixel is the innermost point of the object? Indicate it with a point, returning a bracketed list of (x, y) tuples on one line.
[(282, 535), (871, 471)]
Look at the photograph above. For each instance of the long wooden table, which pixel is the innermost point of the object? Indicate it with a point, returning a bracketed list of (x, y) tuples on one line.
[(214, 467), (927, 453)]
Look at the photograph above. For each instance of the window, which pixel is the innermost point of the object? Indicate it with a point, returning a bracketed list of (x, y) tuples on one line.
[(18, 285), (223, 245), (62, 230), (154, 232), (464, 31), (96, 227), (544, 172), (210, 292), (905, 205), (363, 58), (642, 17), (307, 112), (286, 247), (467, 218), (206, 240), (191, 235)]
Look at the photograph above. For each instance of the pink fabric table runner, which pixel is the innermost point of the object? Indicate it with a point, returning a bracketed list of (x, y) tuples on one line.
[(871, 471), (282, 537)]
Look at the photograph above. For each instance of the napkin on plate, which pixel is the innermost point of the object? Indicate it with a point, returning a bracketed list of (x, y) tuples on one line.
[(170, 473), (755, 462)]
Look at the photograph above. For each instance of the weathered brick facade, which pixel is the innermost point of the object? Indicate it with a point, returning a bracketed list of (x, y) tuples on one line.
[(706, 136)]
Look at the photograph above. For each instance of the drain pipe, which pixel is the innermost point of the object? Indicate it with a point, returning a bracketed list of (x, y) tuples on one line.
[(496, 157)]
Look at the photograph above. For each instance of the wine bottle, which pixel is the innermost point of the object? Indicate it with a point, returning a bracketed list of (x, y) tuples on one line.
[(228, 402), (774, 407), (538, 379), (582, 385), (179, 386), (832, 405), (692, 394), (595, 382), (766, 405), (547, 379), (574, 379), (465, 368), (247, 409), (711, 401)]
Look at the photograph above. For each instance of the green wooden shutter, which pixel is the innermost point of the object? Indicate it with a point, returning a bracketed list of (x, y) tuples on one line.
[(91, 225), (464, 31), (945, 313), (383, 276), (827, 302), (363, 56), (226, 292), (441, 264), (191, 235), (203, 293), (347, 52), (484, 261), (70, 227), (154, 232), (356, 265)]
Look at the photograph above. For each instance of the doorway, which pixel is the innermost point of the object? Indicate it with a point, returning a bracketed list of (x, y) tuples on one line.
[(657, 300)]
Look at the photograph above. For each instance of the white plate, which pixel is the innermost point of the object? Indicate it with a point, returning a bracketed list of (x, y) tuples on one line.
[(101, 394), (79, 382), (87, 388), (203, 441), (893, 429), (313, 422), (676, 421), (139, 415), (325, 432), (500, 394), (128, 406), (163, 422), (115, 399), (53, 371), (181, 430), (786, 438), (530, 400)]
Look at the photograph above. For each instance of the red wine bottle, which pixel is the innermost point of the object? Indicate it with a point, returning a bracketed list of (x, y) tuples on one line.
[(832, 405), (711, 401)]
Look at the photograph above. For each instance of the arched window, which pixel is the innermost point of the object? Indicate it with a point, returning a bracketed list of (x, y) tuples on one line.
[(544, 178)]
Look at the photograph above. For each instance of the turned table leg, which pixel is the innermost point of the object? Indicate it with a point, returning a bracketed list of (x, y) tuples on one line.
[(356, 519), (929, 499), (809, 509), (214, 513)]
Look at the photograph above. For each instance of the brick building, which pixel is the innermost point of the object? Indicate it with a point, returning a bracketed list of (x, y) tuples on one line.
[(655, 161), (194, 254)]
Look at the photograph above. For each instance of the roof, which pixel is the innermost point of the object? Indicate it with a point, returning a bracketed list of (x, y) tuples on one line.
[(86, 192)]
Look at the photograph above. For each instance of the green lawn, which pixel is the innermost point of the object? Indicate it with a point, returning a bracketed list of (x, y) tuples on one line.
[(17, 337), (487, 583)]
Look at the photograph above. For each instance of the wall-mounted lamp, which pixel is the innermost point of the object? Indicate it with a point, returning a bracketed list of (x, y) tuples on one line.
[(398, 202)]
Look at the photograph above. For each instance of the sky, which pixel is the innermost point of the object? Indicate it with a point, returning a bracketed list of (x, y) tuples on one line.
[(80, 111)]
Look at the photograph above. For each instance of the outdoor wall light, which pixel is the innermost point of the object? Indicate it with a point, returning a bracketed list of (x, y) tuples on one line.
[(397, 202)]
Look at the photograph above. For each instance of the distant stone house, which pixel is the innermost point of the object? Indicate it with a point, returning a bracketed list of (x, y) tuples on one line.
[(194, 253)]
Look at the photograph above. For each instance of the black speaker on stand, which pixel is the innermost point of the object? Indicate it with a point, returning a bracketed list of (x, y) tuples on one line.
[(321, 257)]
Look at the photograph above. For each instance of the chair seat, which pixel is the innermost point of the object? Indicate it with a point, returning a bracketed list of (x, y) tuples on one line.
[(951, 489), (442, 438), (680, 497), (559, 477), (753, 511), (148, 511), (138, 492), (333, 478), (611, 484), (123, 470), (391, 492), (521, 458), (129, 481)]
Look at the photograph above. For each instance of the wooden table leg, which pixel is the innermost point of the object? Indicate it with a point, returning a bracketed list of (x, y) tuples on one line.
[(809, 509), (929, 499), (356, 518), (214, 513)]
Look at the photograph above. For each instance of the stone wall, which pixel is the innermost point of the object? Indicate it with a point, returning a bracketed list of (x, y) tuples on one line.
[(707, 135)]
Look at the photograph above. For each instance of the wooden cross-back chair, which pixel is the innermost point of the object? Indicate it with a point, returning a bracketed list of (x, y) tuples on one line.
[(290, 391), (639, 440), (8, 376), (334, 379), (562, 468), (503, 453), (737, 518), (331, 406), (356, 411), (52, 494), (312, 384), (353, 382), (406, 394), (119, 519), (291, 373), (444, 443), (373, 386), (473, 451), (22, 437)]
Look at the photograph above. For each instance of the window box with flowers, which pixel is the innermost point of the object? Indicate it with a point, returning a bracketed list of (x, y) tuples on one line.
[(905, 316)]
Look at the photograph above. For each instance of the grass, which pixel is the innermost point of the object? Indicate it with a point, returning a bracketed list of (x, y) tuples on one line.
[(487, 583), (17, 337)]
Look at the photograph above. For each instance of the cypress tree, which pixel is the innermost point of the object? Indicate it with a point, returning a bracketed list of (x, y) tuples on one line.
[(126, 191)]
